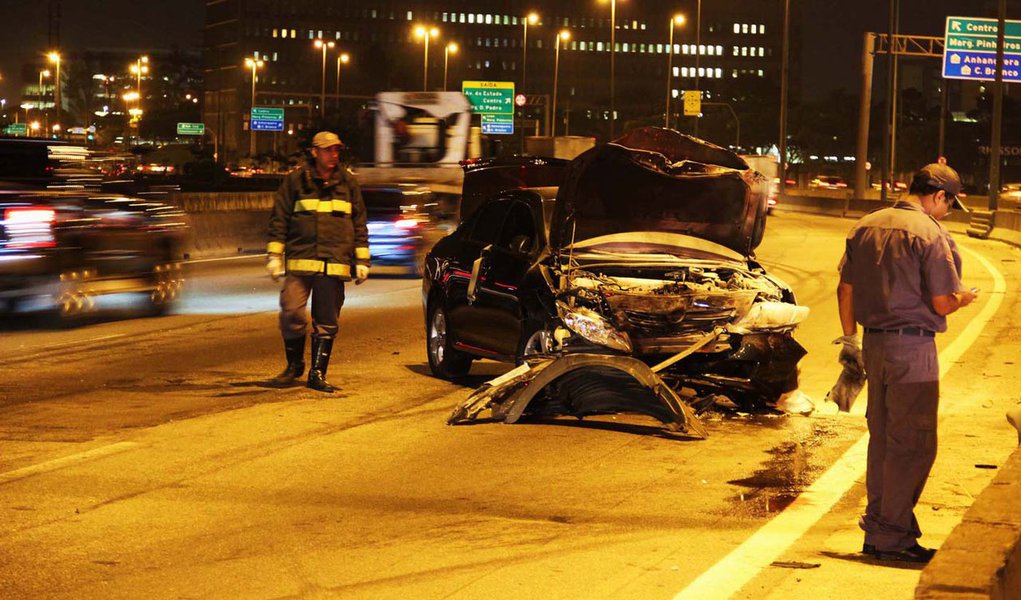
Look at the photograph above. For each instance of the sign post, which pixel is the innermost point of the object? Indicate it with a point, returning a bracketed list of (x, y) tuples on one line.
[(267, 119), (494, 100), (971, 49)]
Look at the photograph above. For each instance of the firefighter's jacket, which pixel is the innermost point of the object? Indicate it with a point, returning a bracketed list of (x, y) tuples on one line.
[(319, 226)]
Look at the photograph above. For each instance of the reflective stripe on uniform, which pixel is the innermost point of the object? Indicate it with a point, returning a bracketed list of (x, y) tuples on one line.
[(338, 270), (307, 265), (362, 253), (323, 206), (275, 248)]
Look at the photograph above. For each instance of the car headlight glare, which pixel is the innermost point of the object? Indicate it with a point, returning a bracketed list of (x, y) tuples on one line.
[(593, 327)]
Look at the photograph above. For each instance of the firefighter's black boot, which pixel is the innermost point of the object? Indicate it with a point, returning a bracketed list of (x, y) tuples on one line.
[(321, 349), (294, 348)]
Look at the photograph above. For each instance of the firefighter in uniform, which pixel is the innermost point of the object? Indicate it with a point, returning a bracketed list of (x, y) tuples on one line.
[(317, 240), (900, 278)]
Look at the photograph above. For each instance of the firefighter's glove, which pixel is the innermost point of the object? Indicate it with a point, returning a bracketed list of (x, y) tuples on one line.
[(275, 266), (361, 274), (850, 352)]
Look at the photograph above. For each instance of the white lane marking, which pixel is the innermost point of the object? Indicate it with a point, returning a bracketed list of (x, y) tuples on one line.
[(733, 571), (59, 463)]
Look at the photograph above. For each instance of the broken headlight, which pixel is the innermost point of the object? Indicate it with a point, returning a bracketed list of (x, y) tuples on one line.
[(593, 327)]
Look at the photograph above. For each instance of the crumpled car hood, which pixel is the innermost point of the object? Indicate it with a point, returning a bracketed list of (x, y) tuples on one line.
[(655, 179)]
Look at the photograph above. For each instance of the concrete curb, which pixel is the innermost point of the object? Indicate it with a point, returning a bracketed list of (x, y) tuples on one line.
[(982, 556)]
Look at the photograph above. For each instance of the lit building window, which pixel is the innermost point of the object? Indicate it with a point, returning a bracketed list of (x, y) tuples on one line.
[(677, 71), (674, 93), (719, 50), (762, 73), (684, 71), (444, 18), (755, 28), (478, 19), (625, 46), (736, 51), (275, 32), (744, 27), (685, 48), (737, 28), (701, 71), (489, 19), (471, 18), (734, 73), (710, 50), (719, 73), (744, 51), (762, 29), (701, 49)]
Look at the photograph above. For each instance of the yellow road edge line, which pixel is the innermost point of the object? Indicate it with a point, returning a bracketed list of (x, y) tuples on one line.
[(64, 461), (745, 562)]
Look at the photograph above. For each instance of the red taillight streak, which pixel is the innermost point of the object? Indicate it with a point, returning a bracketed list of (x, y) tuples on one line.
[(20, 215)]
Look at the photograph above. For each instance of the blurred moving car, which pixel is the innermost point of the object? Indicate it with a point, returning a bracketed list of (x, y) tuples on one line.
[(631, 287), (827, 182), (60, 250), (404, 221), (1011, 191), (898, 186)]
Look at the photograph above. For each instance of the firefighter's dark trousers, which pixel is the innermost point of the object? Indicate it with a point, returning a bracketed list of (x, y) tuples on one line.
[(903, 399), (327, 298)]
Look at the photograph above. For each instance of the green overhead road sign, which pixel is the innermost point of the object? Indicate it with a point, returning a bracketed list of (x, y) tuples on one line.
[(971, 49), (16, 129), (490, 97), (267, 119), (191, 129)]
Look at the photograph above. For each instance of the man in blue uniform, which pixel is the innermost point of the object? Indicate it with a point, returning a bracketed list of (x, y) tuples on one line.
[(318, 239), (900, 278)]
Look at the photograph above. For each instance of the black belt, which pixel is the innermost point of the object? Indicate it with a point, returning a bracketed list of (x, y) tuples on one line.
[(918, 331)]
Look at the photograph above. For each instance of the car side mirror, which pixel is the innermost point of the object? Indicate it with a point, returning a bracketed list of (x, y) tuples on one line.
[(521, 244)]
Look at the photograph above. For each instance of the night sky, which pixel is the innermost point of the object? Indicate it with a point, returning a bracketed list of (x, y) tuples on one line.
[(831, 37)]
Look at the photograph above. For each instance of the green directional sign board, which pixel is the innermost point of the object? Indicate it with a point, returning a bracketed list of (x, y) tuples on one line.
[(191, 129), (490, 97), (267, 119), (16, 129), (971, 49)]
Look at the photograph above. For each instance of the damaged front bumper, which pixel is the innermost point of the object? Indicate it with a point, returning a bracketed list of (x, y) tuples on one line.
[(580, 385)]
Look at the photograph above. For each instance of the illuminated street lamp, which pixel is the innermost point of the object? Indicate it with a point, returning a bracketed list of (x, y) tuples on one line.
[(451, 48), (563, 35), (613, 68), (34, 126), (531, 19), (138, 68), (677, 20), (253, 63), (55, 59), (342, 59), (324, 46), (424, 34)]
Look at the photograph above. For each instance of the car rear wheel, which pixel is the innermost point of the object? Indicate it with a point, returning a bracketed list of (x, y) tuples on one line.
[(444, 360)]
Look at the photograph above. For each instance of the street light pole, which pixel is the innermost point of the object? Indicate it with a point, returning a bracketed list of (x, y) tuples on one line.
[(324, 45), (784, 75), (679, 20), (425, 34), (698, 55), (140, 67), (531, 19), (563, 35), (55, 58), (42, 95), (254, 64), (342, 58), (613, 67), (451, 48)]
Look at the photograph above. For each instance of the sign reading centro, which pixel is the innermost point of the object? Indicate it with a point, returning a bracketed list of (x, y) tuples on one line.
[(490, 97)]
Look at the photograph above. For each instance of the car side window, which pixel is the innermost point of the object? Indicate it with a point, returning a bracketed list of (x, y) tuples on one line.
[(518, 232), (488, 221)]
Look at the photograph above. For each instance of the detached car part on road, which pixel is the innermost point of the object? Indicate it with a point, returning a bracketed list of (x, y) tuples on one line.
[(59, 250), (631, 287)]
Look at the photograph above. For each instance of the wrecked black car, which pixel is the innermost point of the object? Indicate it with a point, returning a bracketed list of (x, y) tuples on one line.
[(629, 287)]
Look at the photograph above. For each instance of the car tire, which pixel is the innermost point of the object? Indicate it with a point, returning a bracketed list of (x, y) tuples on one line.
[(167, 280), (535, 342), (444, 361)]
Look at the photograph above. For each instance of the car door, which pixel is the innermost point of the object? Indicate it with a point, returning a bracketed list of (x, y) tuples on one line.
[(498, 297), (468, 267)]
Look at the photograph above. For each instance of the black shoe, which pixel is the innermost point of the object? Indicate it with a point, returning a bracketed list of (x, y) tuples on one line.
[(869, 550), (294, 348), (914, 554), (321, 350)]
